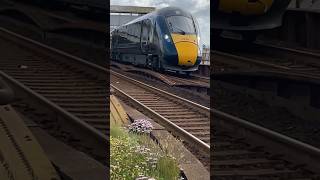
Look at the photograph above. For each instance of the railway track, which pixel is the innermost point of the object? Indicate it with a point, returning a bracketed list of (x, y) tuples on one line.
[(244, 63), (195, 83), (202, 78), (182, 117), (243, 150), (261, 56), (234, 155), (238, 152), (72, 90)]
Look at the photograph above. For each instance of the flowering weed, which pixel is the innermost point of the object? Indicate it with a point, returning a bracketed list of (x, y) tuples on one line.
[(141, 126), (136, 155)]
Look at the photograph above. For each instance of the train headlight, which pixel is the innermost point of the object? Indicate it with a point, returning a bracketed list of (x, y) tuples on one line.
[(166, 37)]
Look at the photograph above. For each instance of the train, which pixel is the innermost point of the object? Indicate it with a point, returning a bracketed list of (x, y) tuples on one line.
[(247, 17), (167, 39)]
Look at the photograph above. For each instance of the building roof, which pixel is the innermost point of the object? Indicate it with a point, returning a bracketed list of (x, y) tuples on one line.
[(131, 9)]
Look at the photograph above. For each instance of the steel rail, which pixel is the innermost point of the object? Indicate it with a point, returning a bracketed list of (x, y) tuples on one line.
[(78, 60), (170, 79), (203, 109), (88, 134), (93, 68), (234, 59), (93, 134), (271, 140), (237, 60), (176, 130), (308, 56), (310, 154)]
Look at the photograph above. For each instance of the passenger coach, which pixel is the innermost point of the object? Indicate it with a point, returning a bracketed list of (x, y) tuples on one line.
[(166, 39)]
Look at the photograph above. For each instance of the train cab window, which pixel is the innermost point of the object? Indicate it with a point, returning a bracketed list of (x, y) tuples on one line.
[(181, 25)]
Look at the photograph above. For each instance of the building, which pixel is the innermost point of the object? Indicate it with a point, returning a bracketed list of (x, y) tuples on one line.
[(120, 15), (205, 56)]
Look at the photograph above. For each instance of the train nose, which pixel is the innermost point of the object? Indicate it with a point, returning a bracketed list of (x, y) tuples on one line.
[(187, 53), (187, 49)]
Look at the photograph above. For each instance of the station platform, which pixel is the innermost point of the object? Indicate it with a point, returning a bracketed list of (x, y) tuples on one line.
[(31, 153), (22, 156)]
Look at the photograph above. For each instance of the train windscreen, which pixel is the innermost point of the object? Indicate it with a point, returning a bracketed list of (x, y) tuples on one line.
[(181, 25)]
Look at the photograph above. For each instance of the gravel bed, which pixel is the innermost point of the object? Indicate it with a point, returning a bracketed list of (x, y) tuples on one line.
[(202, 99)]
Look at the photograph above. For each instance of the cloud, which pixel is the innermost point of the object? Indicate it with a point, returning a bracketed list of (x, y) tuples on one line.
[(199, 8)]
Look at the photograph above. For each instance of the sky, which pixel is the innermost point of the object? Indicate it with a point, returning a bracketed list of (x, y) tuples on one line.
[(200, 9)]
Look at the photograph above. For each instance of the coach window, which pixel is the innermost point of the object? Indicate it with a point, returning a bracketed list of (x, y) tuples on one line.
[(133, 33), (120, 36), (137, 30), (145, 33), (155, 38), (150, 27), (124, 35), (127, 34), (115, 38), (130, 33)]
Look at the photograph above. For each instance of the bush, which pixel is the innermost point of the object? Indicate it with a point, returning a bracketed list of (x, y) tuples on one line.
[(134, 155)]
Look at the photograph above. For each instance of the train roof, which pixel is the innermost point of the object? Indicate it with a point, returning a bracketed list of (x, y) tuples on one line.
[(167, 11), (172, 11), (131, 9)]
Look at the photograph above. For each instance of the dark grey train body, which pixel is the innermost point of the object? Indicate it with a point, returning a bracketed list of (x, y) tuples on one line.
[(166, 39)]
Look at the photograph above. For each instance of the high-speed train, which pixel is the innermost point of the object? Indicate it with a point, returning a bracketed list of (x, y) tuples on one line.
[(166, 39), (247, 17)]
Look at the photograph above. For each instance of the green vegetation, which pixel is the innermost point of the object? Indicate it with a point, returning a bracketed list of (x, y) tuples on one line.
[(134, 155)]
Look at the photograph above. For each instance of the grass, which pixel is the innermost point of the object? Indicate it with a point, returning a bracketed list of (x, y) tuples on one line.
[(134, 155), (116, 131)]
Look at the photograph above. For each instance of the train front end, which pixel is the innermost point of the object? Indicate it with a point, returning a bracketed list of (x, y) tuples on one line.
[(248, 15), (184, 37)]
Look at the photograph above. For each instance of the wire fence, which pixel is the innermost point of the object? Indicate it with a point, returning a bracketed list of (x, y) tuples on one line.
[(205, 56)]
